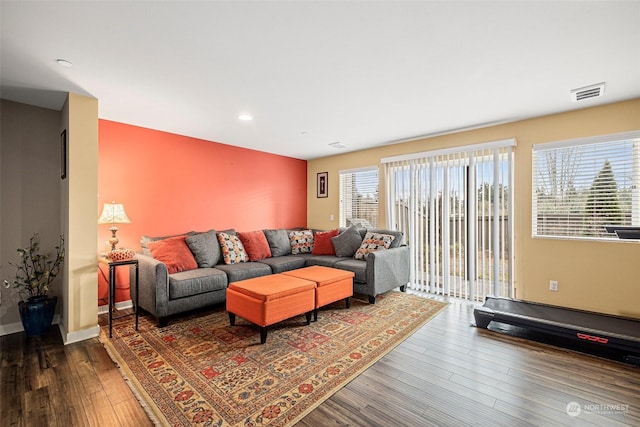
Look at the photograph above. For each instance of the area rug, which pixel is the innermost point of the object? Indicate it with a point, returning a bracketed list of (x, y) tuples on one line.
[(199, 370)]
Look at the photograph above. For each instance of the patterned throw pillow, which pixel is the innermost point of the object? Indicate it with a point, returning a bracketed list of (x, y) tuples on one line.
[(373, 242), (232, 250), (301, 242)]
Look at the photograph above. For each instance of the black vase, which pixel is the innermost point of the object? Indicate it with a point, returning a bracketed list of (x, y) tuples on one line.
[(37, 314)]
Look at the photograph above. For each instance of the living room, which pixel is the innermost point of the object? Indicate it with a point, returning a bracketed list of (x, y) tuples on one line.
[(171, 183)]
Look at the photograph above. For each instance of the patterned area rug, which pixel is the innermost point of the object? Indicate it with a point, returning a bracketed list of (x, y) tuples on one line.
[(199, 370)]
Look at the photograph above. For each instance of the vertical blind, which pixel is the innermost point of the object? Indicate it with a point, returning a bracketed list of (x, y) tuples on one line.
[(455, 209), (359, 197), (583, 185)]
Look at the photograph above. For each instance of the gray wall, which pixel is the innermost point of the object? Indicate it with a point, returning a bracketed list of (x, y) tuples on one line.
[(29, 191)]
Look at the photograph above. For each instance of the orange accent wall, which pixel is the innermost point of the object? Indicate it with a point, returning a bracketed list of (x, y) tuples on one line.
[(171, 184)]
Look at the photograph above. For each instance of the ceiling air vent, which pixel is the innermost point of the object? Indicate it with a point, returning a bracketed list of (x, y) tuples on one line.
[(338, 145), (587, 92)]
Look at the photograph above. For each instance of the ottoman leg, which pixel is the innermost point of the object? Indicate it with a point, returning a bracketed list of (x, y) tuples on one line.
[(315, 315), (347, 302), (308, 315), (263, 334), (232, 319)]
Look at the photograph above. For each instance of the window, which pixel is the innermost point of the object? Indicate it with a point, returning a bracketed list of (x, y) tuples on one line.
[(581, 186), (359, 197)]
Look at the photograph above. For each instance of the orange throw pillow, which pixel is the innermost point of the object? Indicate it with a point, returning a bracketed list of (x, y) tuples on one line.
[(322, 244), (255, 244), (174, 253)]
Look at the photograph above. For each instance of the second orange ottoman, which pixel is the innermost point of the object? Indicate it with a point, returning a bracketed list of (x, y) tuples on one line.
[(333, 284), (270, 299)]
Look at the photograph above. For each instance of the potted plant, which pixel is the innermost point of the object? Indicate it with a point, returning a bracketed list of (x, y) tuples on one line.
[(35, 273)]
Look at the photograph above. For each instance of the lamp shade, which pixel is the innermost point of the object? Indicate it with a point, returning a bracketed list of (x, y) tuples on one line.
[(113, 213)]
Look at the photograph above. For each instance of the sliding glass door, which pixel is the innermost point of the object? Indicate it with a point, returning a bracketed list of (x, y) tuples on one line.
[(455, 208)]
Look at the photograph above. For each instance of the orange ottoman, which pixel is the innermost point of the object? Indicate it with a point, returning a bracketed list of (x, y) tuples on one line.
[(333, 284), (270, 299)]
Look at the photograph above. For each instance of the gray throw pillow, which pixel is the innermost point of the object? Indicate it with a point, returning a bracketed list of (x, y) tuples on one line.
[(278, 242), (347, 243), (205, 248)]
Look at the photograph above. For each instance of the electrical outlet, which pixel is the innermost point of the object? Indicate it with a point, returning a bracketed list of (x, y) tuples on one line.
[(553, 285), (331, 217)]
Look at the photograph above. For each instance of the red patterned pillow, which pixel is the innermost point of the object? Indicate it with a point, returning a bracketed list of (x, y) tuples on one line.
[(322, 244), (174, 253), (232, 249), (301, 241), (373, 242), (255, 244)]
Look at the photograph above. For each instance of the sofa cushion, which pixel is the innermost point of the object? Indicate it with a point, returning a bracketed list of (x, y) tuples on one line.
[(145, 240), (255, 244), (231, 248), (322, 244), (205, 248), (373, 242), (301, 241), (194, 282), (347, 243), (244, 270), (325, 260), (174, 253), (278, 241), (284, 263), (358, 267)]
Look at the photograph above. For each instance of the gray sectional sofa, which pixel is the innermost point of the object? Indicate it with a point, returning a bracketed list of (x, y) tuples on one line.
[(164, 294)]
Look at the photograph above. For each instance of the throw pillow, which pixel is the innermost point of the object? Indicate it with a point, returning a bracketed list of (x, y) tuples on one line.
[(145, 240), (205, 248), (322, 244), (301, 241), (373, 242), (279, 243), (232, 250), (255, 244), (347, 243), (174, 253)]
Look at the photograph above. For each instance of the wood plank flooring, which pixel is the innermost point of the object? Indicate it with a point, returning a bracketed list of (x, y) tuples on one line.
[(446, 374)]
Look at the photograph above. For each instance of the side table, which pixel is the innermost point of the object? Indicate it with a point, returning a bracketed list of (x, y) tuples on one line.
[(112, 286)]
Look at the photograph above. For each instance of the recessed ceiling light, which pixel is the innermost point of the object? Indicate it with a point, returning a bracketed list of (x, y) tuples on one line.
[(64, 62), (245, 117), (339, 145)]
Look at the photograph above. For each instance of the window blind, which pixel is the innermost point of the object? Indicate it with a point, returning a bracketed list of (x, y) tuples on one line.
[(359, 197), (581, 186), (455, 208)]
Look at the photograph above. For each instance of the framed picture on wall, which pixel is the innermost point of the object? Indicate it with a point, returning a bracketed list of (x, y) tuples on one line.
[(63, 154), (323, 184)]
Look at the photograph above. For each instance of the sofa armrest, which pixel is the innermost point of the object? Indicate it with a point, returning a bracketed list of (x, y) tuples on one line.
[(388, 269), (153, 280)]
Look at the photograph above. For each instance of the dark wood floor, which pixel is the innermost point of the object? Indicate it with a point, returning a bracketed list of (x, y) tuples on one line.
[(446, 374)]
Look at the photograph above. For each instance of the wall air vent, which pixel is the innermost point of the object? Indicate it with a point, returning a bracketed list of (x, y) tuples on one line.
[(587, 92), (339, 145)]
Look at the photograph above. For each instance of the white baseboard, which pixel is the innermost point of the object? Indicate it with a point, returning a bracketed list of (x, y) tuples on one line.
[(13, 328), (104, 309), (85, 334)]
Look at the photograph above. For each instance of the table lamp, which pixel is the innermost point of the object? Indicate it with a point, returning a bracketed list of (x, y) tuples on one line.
[(113, 213)]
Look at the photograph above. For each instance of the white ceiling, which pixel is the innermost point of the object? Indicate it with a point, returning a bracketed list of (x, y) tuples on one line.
[(316, 72)]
